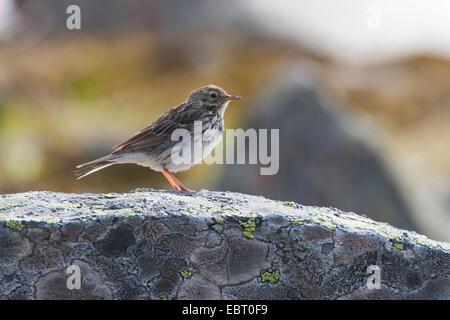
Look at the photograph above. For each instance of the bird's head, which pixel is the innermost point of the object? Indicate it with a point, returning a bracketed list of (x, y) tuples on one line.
[(211, 95)]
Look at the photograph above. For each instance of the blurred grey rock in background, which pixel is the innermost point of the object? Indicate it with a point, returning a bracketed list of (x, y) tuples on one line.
[(321, 162)]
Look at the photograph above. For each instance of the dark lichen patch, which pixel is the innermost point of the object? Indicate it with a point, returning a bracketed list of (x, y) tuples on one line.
[(171, 268), (249, 227), (412, 279), (117, 241), (46, 235), (241, 258), (71, 231), (15, 225), (348, 277), (164, 287), (53, 285), (271, 277), (12, 247), (327, 248)]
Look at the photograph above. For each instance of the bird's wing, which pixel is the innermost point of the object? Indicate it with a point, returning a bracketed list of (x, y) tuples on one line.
[(139, 141), (159, 131)]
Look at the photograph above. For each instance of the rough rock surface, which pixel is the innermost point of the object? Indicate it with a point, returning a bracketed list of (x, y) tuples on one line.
[(151, 244)]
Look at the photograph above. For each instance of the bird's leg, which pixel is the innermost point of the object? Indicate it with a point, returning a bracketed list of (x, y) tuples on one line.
[(169, 178), (174, 181), (182, 188)]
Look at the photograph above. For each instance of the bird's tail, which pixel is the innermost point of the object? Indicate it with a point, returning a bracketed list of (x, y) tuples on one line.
[(90, 167)]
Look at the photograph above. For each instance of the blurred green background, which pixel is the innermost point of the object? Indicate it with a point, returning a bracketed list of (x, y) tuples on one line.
[(68, 96)]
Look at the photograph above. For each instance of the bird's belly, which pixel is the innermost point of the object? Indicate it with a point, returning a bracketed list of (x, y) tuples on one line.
[(200, 147), (142, 159), (164, 159)]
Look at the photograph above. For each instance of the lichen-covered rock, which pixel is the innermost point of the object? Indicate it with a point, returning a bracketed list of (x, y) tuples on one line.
[(151, 244)]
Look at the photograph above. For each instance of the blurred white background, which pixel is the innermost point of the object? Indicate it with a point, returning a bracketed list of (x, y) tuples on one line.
[(360, 31)]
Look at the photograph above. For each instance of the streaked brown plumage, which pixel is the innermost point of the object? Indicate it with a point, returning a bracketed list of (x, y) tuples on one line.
[(152, 147)]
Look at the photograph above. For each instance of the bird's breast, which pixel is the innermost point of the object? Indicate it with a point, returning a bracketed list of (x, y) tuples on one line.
[(211, 134)]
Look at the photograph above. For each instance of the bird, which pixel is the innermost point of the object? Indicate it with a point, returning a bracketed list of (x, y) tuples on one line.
[(154, 146)]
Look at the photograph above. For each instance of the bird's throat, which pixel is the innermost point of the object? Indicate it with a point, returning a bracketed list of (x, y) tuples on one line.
[(223, 108)]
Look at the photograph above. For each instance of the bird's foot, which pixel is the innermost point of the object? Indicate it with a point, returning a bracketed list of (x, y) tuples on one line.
[(174, 181)]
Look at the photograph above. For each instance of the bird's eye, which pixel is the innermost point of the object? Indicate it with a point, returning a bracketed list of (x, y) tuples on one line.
[(213, 95)]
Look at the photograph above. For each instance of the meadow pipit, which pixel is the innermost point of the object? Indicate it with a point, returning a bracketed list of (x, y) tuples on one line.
[(153, 147)]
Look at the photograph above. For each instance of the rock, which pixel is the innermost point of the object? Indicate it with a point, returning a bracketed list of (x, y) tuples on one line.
[(324, 159), (151, 244)]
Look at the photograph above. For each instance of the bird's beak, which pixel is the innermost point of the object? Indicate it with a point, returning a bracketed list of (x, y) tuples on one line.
[(229, 97)]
